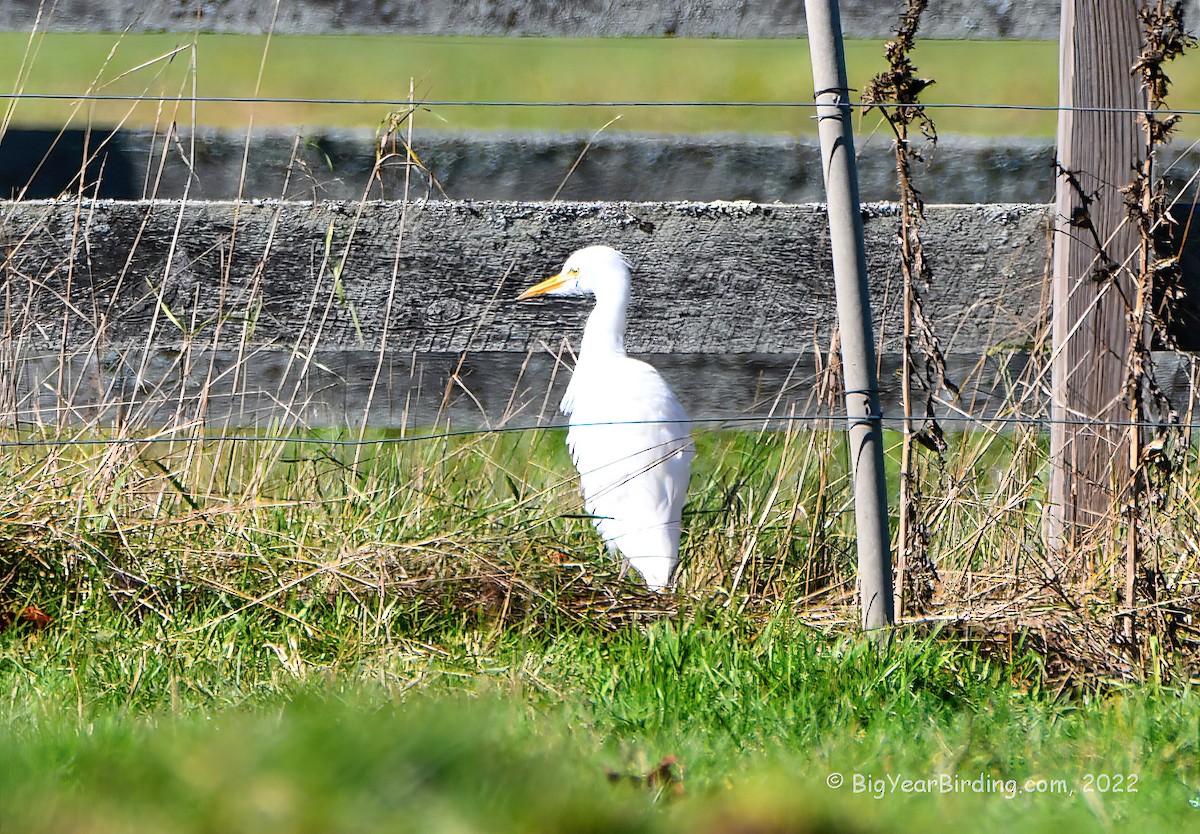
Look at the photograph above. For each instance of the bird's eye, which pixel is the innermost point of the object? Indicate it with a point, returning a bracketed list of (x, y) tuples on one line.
[(573, 272)]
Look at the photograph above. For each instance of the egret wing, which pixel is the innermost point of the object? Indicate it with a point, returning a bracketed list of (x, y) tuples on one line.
[(630, 440)]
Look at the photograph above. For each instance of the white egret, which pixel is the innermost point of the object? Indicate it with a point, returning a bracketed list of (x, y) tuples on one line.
[(628, 435)]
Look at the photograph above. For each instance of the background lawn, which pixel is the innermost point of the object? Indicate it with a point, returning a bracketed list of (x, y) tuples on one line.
[(521, 69)]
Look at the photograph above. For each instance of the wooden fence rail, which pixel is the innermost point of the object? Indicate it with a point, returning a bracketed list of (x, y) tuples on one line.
[(1027, 19), (329, 314)]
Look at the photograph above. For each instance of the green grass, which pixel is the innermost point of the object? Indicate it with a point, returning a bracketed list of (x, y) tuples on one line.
[(529, 69), (425, 636), (263, 724)]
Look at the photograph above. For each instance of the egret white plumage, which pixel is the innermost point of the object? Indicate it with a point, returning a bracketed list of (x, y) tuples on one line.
[(628, 435)]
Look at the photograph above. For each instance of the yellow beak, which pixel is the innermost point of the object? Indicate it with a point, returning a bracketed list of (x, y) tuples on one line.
[(550, 284)]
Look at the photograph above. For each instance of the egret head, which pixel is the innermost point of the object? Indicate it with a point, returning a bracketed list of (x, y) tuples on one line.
[(595, 270)]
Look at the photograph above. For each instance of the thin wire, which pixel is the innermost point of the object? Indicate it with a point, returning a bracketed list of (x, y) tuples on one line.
[(1052, 108), (1011, 420)]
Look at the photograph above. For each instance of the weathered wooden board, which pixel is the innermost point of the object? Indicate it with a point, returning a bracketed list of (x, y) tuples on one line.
[(711, 278), (340, 164), (1029, 19), (271, 388), (162, 313), (494, 389)]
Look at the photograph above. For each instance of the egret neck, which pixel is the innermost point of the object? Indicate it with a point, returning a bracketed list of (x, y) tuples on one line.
[(604, 333)]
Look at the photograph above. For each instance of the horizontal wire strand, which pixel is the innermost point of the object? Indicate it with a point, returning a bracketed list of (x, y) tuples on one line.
[(983, 422), (400, 104)]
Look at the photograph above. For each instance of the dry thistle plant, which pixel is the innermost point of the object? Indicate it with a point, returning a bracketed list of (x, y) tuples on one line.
[(895, 93), (1157, 447)]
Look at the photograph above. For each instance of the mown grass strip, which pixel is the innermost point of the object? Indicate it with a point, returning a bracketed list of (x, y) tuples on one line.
[(524, 69)]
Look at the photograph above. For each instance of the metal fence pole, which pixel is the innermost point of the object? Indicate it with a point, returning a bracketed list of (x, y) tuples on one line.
[(865, 432)]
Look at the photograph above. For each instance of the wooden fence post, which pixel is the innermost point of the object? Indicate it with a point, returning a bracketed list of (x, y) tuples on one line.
[(1098, 152), (863, 413)]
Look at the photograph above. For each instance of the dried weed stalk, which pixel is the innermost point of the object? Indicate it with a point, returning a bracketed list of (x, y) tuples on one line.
[(895, 93), (1156, 455)]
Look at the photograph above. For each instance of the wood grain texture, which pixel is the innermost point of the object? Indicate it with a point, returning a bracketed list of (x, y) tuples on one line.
[(1030, 19), (1100, 43), (273, 389), (245, 314), (713, 278)]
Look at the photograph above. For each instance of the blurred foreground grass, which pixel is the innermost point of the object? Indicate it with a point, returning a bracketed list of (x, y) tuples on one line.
[(517, 69), (423, 635), (267, 724)]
